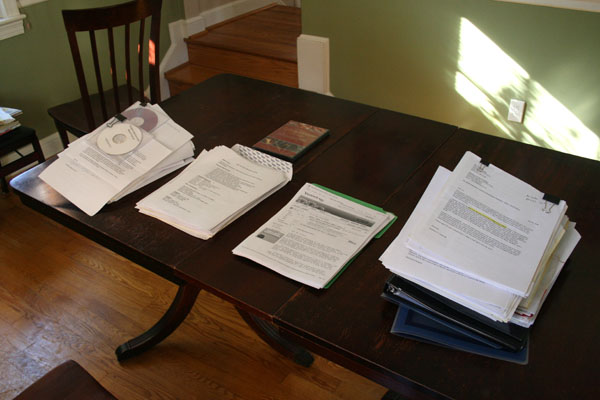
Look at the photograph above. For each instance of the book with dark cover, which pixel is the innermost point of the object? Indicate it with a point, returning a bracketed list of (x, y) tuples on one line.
[(290, 141), (399, 290), (414, 324)]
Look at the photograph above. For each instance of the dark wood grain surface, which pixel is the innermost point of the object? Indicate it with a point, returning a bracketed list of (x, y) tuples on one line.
[(224, 110), (350, 323), (370, 162), (387, 159)]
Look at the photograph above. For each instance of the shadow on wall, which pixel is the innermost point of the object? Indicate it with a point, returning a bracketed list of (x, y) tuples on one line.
[(487, 78)]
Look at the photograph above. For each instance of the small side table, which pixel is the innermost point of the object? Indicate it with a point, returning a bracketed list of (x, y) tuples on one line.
[(13, 141)]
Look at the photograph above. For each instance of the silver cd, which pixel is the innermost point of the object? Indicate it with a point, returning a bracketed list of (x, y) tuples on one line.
[(119, 139)]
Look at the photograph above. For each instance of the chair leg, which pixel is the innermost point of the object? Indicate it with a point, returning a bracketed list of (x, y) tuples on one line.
[(270, 334), (63, 134), (38, 150)]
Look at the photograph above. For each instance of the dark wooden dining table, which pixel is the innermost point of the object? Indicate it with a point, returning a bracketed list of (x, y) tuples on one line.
[(384, 158)]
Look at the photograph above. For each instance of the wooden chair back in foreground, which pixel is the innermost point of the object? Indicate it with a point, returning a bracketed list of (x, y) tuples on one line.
[(67, 381), (85, 114)]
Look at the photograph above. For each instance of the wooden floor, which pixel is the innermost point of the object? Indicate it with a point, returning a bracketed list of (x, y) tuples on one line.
[(64, 297)]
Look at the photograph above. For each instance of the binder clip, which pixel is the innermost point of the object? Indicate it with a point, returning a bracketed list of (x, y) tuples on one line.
[(549, 202), (482, 164), (118, 118)]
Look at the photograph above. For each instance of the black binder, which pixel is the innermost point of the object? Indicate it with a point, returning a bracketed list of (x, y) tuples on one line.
[(399, 290)]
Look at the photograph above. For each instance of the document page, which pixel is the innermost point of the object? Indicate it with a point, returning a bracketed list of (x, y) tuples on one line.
[(489, 225), (529, 308), (470, 292), (92, 171), (164, 138), (177, 159), (211, 191), (313, 236)]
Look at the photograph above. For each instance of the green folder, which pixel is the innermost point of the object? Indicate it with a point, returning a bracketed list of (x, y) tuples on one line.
[(371, 206)]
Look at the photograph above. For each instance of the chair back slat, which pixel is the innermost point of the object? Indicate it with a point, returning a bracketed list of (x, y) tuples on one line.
[(140, 50), (113, 68), (121, 16), (98, 82), (83, 90), (128, 65)]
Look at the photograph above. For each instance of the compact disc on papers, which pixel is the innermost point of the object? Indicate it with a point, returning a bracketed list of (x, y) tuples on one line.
[(119, 139), (142, 117)]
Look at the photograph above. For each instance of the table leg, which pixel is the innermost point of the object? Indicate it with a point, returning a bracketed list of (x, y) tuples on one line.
[(173, 317), (269, 333)]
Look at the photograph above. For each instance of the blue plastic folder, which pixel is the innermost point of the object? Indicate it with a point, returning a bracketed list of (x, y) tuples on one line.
[(412, 323)]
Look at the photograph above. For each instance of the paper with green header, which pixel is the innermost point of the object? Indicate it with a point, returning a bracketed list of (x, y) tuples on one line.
[(314, 236)]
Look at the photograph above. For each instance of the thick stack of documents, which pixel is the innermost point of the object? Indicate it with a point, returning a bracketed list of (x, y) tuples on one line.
[(214, 190), (485, 240), (136, 147), (315, 235)]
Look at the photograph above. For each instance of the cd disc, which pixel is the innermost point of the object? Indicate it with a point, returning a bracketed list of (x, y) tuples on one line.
[(142, 117), (119, 139)]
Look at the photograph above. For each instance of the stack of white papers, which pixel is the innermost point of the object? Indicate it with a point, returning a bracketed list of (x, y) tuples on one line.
[(136, 147), (7, 119), (486, 240), (314, 236), (214, 190)]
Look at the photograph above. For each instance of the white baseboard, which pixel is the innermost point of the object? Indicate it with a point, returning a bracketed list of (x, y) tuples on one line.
[(179, 30), (177, 53), (313, 63)]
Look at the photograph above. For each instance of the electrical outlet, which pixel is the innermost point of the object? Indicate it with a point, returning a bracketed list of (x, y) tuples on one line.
[(516, 110)]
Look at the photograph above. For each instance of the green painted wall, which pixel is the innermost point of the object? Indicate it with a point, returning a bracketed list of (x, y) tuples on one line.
[(36, 68), (461, 61)]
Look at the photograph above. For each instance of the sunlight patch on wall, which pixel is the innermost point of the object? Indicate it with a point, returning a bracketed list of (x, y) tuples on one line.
[(487, 78)]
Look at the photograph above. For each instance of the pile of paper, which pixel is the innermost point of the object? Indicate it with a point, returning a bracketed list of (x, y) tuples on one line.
[(485, 240), (214, 190), (7, 119), (136, 147), (315, 235)]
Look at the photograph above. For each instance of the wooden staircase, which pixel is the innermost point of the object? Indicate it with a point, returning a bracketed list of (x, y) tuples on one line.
[(260, 44)]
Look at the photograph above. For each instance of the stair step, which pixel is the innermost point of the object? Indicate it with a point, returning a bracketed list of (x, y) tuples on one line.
[(252, 66), (187, 75), (270, 32), (260, 44)]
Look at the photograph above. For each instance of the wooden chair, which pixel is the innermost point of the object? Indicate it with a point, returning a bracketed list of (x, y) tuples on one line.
[(67, 381), (85, 114)]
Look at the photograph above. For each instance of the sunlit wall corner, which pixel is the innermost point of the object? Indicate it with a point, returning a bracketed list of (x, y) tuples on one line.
[(487, 78)]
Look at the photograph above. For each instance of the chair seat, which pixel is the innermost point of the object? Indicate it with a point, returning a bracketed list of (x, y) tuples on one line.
[(71, 115), (67, 381)]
